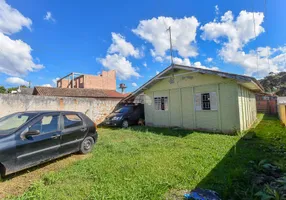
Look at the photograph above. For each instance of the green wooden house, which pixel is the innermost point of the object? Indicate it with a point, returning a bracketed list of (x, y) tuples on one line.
[(199, 99)]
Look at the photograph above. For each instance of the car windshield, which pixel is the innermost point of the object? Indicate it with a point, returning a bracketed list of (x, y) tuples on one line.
[(10, 123), (123, 110)]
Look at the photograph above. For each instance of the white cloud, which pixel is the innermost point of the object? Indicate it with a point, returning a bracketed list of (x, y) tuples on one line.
[(15, 57), (238, 33), (157, 72), (209, 60), (145, 64), (49, 17), (123, 67), (55, 81), (17, 81), (216, 9), (122, 47), (180, 61), (134, 84), (199, 65), (46, 85), (11, 20), (183, 35)]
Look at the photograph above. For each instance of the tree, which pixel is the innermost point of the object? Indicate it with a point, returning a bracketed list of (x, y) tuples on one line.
[(9, 90), (2, 90)]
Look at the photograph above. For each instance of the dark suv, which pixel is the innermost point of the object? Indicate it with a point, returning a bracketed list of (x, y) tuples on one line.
[(30, 138), (125, 116)]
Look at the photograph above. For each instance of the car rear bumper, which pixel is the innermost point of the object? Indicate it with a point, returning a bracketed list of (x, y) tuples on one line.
[(112, 123)]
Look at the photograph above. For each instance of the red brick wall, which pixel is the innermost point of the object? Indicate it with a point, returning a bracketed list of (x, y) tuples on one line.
[(106, 81)]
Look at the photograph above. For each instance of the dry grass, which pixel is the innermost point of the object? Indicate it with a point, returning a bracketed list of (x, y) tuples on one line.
[(17, 183)]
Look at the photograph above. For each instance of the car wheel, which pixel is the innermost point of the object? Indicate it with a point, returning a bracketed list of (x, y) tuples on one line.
[(86, 145), (125, 124)]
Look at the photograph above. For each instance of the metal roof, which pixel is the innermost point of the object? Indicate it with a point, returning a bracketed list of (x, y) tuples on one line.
[(242, 79)]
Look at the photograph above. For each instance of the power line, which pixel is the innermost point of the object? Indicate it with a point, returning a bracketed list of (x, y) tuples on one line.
[(268, 54), (254, 28)]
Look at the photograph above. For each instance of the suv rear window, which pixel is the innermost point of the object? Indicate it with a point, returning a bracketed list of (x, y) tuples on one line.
[(72, 120)]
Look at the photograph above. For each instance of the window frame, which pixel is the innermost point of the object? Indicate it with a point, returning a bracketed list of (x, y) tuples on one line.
[(206, 101), (41, 118), (160, 103), (71, 128)]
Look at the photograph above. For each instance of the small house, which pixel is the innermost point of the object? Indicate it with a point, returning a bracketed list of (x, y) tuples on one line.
[(199, 99)]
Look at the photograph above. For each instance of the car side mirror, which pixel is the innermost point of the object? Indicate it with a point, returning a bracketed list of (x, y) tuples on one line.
[(29, 133), (32, 133)]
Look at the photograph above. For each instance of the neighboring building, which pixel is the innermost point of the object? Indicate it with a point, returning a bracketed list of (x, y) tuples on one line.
[(105, 81), (266, 103), (201, 99), (78, 92)]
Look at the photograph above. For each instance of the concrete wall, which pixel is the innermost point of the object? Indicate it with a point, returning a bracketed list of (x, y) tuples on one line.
[(247, 108), (182, 112), (96, 109)]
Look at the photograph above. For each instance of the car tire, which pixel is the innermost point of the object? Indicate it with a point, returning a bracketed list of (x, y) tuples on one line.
[(86, 145), (125, 124)]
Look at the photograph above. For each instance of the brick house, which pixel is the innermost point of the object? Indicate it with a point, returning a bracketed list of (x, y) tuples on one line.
[(106, 81)]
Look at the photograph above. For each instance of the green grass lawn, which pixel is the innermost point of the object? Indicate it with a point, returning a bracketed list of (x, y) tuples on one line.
[(142, 163)]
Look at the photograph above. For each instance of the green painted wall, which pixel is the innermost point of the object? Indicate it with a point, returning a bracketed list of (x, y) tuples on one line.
[(247, 108), (181, 107)]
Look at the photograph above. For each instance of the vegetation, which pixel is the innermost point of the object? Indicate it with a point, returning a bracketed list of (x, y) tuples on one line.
[(2, 90), (275, 83), (149, 163)]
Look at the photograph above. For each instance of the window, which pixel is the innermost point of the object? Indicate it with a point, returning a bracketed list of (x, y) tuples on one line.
[(206, 103), (161, 103), (10, 123), (72, 120), (47, 124)]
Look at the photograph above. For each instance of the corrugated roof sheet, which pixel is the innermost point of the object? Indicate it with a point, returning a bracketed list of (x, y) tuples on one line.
[(77, 92)]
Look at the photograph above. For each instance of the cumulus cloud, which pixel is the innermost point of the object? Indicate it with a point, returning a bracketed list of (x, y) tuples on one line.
[(11, 20), (15, 57), (145, 64), (49, 17), (199, 65), (134, 84), (238, 33), (157, 72), (46, 85), (123, 67), (16, 81), (209, 60), (122, 47), (183, 35), (55, 81)]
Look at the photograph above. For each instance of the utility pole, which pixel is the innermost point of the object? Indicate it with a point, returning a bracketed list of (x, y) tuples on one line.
[(171, 46)]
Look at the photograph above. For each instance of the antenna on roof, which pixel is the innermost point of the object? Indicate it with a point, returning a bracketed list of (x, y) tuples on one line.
[(171, 46)]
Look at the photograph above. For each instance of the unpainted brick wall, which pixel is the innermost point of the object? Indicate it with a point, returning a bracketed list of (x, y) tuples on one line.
[(96, 109)]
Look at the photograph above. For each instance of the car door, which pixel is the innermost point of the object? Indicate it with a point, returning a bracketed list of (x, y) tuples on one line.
[(39, 148), (134, 115), (73, 133)]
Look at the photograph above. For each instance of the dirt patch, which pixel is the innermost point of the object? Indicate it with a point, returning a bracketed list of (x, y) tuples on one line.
[(17, 183)]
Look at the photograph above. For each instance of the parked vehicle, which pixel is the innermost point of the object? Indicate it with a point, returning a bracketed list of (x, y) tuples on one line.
[(30, 138), (125, 116)]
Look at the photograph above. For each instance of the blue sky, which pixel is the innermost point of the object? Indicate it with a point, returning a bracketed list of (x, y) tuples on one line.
[(77, 36)]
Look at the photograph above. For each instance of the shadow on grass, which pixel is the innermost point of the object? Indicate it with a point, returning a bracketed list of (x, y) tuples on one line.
[(37, 167), (174, 132), (231, 176)]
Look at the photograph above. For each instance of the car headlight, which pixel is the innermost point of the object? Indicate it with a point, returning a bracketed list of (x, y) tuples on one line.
[(116, 118)]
